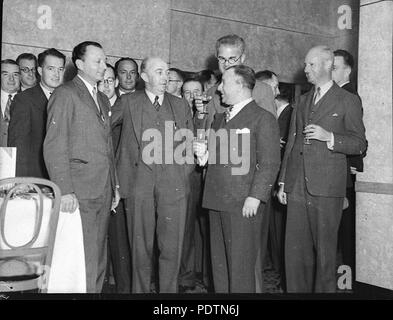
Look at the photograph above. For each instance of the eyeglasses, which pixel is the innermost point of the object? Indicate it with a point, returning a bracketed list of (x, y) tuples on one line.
[(231, 60), (27, 70), (107, 81)]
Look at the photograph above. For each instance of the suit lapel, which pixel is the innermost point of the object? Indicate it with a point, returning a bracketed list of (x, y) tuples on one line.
[(86, 96), (137, 114), (307, 105), (326, 103), (39, 98)]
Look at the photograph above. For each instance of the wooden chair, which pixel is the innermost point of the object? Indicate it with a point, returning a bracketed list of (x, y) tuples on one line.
[(26, 266)]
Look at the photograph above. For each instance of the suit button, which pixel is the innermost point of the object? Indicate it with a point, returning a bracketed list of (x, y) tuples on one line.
[(136, 164), (301, 153)]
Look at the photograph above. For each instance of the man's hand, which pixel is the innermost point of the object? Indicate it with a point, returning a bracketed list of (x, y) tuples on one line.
[(198, 102), (69, 203), (313, 131), (115, 200), (281, 195), (199, 148), (250, 207)]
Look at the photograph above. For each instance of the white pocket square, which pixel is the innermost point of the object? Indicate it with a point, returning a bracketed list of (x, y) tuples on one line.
[(241, 131), (334, 115)]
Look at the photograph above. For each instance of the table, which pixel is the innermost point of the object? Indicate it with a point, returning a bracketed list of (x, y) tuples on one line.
[(67, 273)]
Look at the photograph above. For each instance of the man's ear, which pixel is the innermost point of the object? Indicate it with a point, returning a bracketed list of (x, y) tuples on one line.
[(39, 69), (144, 77), (79, 64), (116, 82), (242, 58)]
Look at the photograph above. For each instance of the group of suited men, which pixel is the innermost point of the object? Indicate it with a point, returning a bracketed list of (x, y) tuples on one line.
[(166, 221)]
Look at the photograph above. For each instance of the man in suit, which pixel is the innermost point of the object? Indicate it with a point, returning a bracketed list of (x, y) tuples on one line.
[(156, 191), (27, 127), (342, 69), (230, 51), (278, 211), (270, 78), (234, 195), (127, 73), (119, 248), (325, 127), (28, 70), (79, 156), (175, 82), (10, 81)]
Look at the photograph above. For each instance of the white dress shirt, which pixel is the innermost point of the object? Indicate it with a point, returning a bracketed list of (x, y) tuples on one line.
[(4, 100), (46, 91), (152, 97)]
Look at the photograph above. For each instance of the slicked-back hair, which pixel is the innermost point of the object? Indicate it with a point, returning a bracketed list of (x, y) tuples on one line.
[(246, 74), (9, 61), (232, 40), (347, 57), (125, 59), (80, 50), (26, 56), (265, 75), (50, 52), (178, 72)]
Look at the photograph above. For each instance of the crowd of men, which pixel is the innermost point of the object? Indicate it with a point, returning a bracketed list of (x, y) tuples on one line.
[(173, 226)]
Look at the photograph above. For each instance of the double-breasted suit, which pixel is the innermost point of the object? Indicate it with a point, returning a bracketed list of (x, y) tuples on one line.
[(236, 240)]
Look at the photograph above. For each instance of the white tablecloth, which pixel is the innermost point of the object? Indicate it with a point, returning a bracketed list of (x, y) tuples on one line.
[(67, 273)]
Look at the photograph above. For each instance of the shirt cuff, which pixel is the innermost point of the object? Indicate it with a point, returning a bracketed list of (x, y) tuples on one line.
[(203, 160), (330, 143)]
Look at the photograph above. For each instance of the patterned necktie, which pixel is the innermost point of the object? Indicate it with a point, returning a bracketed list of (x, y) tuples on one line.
[(156, 104), (7, 115), (97, 104), (317, 95), (228, 113)]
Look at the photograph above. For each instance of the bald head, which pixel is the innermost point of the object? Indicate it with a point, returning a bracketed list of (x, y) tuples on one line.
[(318, 65), (154, 71)]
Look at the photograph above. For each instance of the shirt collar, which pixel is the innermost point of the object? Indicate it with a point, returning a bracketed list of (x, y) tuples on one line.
[(343, 84), (88, 85), (113, 100), (152, 97), (325, 88), (46, 91), (281, 109), (121, 92), (238, 107)]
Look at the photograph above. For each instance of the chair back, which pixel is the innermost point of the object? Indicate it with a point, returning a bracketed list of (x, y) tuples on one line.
[(28, 223)]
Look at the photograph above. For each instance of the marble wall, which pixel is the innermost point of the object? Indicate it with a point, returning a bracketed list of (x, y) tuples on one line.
[(278, 33), (374, 221)]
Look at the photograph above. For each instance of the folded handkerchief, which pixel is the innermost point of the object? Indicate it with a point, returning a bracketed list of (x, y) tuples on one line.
[(241, 131), (334, 115)]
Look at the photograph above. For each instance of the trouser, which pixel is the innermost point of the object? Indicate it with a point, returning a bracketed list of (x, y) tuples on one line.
[(235, 244), (187, 274), (119, 249), (95, 220), (157, 208), (311, 240)]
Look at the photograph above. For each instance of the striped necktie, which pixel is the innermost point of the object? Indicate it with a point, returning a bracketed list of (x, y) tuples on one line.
[(228, 113), (156, 104), (7, 114), (97, 104), (317, 95)]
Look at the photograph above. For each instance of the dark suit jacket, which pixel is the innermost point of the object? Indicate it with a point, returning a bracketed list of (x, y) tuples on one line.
[(325, 170), (225, 191), (27, 131), (128, 111), (262, 94), (284, 121), (78, 149), (353, 161)]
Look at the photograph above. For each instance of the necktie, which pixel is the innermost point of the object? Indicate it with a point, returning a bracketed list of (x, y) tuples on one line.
[(7, 115), (156, 104), (97, 104), (317, 95), (228, 113)]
